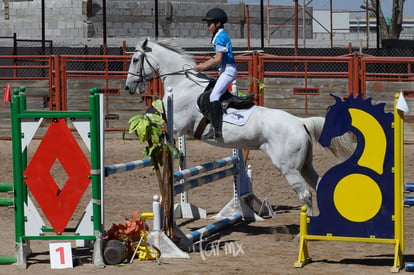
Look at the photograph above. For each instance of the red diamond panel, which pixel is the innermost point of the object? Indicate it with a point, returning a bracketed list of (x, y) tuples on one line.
[(58, 204)]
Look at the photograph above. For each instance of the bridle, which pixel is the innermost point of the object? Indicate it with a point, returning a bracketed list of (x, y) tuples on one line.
[(141, 74)]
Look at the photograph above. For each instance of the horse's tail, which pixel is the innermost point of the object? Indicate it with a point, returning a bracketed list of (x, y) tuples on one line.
[(342, 147)]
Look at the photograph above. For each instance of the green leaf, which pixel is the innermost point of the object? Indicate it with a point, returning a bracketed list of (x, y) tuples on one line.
[(156, 154), (157, 104), (145, 152), (152, 128), (240, 93), (141, 129), (156, 119), (134, 120), (155, 134), (261, 85)]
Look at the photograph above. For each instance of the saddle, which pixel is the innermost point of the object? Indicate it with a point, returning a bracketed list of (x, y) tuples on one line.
[(227, 100)]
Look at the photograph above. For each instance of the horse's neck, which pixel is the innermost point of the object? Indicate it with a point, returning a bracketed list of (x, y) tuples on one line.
[(184, 84), (374, 137), (186, 87), (185, 93)]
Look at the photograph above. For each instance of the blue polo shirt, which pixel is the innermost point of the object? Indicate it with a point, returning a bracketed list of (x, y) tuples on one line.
[(222, 43)]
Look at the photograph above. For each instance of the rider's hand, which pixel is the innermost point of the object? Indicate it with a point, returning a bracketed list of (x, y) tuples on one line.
[(198, 68), (216, 60)]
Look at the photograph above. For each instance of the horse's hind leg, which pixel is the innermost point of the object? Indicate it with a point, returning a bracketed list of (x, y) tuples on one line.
[(309, 172), (298, 184), (310, 175)]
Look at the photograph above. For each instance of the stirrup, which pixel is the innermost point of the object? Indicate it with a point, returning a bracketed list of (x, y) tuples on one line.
[(209, 135), (212, 135)]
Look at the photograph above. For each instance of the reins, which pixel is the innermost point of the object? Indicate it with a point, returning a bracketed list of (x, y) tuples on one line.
[(185, 72)]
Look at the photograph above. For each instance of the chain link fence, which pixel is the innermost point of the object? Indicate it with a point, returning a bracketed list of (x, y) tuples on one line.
[(33, 48)]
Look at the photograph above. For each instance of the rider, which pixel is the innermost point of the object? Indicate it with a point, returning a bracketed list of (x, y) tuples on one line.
[(216, 18)]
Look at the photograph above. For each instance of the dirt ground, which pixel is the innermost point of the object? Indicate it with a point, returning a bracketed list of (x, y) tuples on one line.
[(266, 247)]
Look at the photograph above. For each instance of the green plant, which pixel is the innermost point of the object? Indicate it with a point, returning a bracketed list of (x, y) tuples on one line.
[(152, 127), (250, 83)]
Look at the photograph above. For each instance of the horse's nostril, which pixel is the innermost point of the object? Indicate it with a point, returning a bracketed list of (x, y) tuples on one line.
[(127, 88)]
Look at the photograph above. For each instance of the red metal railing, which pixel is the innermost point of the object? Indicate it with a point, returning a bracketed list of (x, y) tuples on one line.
[(89, 67), (355, 69), (40, 65), (379, 69)]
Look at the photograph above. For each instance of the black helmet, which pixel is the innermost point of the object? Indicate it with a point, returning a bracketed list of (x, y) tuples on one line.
[(216, 15)]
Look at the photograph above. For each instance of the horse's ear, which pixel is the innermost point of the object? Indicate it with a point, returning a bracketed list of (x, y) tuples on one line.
[(144, 45), (337, 98)]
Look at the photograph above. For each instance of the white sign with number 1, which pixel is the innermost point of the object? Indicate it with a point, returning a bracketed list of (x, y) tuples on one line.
[(60, 255)]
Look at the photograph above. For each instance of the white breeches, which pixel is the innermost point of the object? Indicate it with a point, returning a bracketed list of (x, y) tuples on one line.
[(227, 74)]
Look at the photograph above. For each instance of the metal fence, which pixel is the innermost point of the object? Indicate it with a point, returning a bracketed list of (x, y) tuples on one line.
[(35, 49)]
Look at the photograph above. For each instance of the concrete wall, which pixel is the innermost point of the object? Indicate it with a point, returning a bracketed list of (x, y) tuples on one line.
[(77, 22), (126, 18), (63, 19), (80, 22)]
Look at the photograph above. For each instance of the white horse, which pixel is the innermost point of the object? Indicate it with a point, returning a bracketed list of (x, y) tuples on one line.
[(285, 138)]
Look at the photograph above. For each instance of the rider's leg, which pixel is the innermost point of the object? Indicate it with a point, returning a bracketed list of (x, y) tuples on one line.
[(216, 121), (226, 77)]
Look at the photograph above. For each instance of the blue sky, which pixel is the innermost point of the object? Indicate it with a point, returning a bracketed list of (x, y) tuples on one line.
[(353, 5)]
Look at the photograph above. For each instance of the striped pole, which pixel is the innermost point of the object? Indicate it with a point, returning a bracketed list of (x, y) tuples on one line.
[(409, 201), (127, 166), (183, 174), (179, 188), (214, 227), (409, 187)]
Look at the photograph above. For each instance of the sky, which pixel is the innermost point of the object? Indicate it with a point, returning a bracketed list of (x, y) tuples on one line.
[(350, 5)]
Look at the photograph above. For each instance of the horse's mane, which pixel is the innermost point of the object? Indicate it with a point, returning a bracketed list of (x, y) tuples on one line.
[(175, 48)]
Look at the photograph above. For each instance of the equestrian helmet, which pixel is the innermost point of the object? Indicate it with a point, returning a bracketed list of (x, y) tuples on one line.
[(216, 15)]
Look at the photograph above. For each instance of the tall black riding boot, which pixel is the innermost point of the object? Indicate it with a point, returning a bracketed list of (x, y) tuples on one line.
[(216, 121)]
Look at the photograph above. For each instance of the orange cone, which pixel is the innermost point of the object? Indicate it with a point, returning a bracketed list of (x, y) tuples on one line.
[(6, 96)]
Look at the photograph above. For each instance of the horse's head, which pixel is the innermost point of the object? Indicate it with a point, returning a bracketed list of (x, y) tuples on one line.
[(142, 68), (337, 122)]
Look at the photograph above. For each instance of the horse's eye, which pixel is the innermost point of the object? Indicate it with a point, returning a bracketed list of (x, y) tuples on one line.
[(135, 60)]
